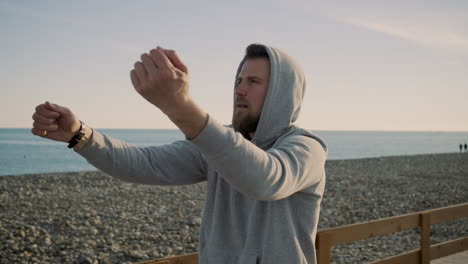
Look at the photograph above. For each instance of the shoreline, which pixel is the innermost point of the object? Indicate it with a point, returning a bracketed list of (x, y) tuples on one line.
[(90, 169), (89, 217)]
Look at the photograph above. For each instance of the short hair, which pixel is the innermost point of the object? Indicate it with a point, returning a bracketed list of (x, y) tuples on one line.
[(256, 51)]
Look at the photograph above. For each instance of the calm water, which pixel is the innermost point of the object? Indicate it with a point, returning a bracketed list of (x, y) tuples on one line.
[(23, 153)]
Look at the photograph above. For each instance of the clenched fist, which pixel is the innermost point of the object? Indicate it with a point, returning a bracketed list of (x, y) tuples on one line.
[(162, 79), (54, 122)]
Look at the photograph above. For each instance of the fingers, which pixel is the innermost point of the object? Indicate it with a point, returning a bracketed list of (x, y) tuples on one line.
[(175, 60), (140, 71), (38, 132), (42, 119), (160, 59), (158, 64), (150, 67), (45, 127), (61, 110), (46, 111), (135, 81), (45, 119)]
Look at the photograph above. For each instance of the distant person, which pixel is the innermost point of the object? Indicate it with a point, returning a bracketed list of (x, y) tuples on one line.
[(461, 147), (265, 175), (466, 146)]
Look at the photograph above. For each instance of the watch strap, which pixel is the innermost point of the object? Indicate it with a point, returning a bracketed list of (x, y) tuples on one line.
[(78, 136), (88, 133)]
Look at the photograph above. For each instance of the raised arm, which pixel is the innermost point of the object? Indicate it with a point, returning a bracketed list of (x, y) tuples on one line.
[(178, 163), (172, 164), (294, 163)]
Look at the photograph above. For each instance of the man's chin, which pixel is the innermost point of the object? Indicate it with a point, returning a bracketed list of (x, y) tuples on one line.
[(245, 124), (237, 121)]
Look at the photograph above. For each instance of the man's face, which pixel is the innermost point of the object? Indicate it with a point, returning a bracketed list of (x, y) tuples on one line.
[(251, 88)]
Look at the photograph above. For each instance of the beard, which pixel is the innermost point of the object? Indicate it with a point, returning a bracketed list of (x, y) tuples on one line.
[(245, 125)]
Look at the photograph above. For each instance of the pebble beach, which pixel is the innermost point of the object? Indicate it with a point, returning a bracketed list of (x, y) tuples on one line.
[(91, 218)]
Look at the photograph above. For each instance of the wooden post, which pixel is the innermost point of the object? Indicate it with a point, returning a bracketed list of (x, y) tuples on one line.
[(323, 249), (425, 237)]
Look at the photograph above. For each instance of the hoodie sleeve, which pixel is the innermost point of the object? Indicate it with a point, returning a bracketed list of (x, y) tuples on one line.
[(295, 163), (178, 163)]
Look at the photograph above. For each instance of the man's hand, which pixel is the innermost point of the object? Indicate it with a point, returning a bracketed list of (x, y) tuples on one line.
[(162, 79), (54, 122)]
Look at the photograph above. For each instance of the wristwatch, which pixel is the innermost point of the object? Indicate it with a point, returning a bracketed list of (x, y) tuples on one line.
[(78, 136)]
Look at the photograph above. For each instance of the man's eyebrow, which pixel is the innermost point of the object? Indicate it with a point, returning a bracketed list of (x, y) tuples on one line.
[(250, 78)]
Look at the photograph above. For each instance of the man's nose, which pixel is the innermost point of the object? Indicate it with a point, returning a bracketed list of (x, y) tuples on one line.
[(240, 90)]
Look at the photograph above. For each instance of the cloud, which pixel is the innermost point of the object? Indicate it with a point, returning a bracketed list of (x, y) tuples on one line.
[(425, 34)]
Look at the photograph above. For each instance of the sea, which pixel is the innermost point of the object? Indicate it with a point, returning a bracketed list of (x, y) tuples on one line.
[(23, 153)]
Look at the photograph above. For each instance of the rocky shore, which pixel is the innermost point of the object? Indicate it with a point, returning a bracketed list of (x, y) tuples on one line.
[(89, 217)]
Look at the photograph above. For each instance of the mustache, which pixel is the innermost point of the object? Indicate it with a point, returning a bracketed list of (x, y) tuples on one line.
[(240, 102)]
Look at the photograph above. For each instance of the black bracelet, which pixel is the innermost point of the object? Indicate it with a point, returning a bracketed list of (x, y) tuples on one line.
[(77, 137)]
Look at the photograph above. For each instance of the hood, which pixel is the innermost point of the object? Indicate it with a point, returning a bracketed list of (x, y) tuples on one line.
[(283, 99)]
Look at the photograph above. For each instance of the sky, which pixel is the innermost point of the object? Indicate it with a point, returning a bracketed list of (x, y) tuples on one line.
[(370, 65)]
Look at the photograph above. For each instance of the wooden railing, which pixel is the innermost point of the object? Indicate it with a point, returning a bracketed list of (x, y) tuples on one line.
[(183, 259), (328, 238)]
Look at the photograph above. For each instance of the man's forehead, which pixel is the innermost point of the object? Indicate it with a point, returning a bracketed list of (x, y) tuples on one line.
[(256, 67)]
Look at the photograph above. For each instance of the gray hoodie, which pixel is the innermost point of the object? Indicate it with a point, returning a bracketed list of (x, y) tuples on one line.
[(263, 196)]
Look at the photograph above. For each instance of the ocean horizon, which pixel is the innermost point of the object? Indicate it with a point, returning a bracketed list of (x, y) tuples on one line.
[(23, 153)]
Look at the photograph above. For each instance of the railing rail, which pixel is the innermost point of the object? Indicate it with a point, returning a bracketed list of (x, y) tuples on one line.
[(183, 259), (328, 238)]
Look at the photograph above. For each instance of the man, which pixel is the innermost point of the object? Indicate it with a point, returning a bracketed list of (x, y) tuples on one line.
[(265, 176)]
